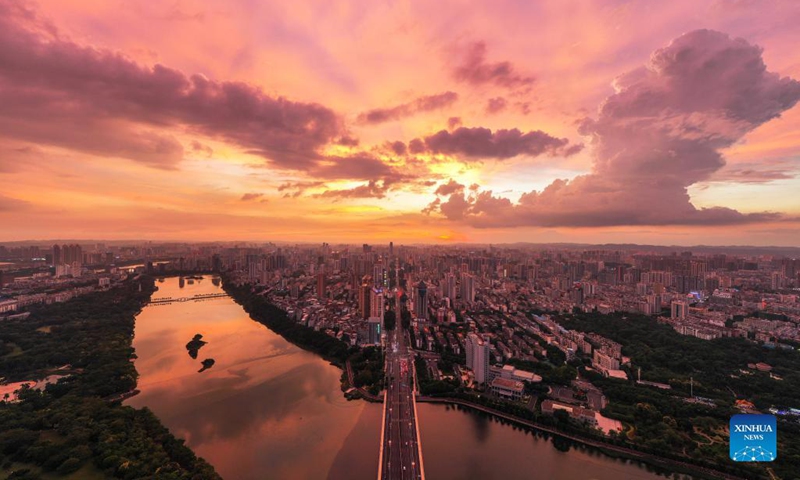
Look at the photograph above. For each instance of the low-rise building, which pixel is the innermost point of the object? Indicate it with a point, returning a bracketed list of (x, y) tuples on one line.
[(506, 388)]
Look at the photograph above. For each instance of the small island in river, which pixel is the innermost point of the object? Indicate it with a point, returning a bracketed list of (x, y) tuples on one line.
[(194, 345), (207, 363)]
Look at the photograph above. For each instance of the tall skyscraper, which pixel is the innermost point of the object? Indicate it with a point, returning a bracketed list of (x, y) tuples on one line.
[(421, 301), (450, 287), (321, 285), (380, 275), (376, 303), (57, 255), (467, 288), (477, 357), (364, 300)]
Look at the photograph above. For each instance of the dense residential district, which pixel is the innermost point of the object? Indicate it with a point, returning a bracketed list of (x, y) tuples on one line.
[(646, 351)]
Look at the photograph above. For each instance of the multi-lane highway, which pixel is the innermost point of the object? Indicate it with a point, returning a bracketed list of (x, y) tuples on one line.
[(401, 456)]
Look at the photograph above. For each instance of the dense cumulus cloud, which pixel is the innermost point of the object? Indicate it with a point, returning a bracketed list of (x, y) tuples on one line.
[(661, 132), (474, 69), (422, 104), (449, 188), (55, 91), (479, 142)]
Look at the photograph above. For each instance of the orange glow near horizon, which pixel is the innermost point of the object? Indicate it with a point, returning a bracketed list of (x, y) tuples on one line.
[(362, 121)]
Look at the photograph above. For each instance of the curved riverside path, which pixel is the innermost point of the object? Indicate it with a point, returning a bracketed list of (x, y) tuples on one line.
[(635, 454)]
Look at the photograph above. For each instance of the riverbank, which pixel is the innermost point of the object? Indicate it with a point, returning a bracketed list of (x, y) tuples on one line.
[(264, 409), (276, 319), (49, 430), (610, 449), (333, 350), (261, 310)]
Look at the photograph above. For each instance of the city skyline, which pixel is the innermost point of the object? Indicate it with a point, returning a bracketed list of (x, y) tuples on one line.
[(573, 341), (555, 122)]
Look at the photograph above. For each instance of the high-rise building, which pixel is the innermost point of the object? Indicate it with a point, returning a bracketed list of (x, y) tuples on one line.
[(450, 287), (374, 329), (777, 280), (380, 275), (467, 288), (680, 309), (321, 285), (477, 357), (69, 255), (56, 255), (364, 300), (376, 303), (421, 301), (576, 295), (654, 302)]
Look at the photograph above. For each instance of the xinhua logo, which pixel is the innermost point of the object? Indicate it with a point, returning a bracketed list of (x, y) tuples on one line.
[(754, 438)]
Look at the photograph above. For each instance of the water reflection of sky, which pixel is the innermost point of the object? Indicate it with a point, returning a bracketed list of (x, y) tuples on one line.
[(269, 410), (266, 409), (465, 445)]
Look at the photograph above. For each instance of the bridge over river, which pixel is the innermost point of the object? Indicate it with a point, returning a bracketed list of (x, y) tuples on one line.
[(401, 451), (193, 298)]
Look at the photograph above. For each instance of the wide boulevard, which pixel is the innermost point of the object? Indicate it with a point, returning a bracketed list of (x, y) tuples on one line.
[(401, 451)]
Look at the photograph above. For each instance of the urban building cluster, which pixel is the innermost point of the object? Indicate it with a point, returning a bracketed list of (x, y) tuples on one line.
[(482, 308)]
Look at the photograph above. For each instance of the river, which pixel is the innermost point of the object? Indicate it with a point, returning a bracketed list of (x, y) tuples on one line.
[(267, 409)]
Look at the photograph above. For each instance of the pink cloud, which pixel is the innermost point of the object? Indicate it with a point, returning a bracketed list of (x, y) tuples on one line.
[(251, 196), (296, 189), (52, 88), (421, 104), (660, 133), (474, 69), (449, 188), (479, 142), (371, 189), (453, 122), (496, 105)]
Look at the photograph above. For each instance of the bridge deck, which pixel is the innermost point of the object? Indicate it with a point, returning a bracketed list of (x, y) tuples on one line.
[(401, 451), (195, 298)]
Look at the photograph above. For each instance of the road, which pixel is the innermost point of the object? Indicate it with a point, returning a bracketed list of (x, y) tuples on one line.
[(401, 451)]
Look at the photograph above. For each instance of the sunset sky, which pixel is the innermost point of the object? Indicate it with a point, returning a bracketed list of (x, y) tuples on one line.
[(448, 121)]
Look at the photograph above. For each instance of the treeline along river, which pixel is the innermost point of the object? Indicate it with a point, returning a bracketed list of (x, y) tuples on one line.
[(267, 409)]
